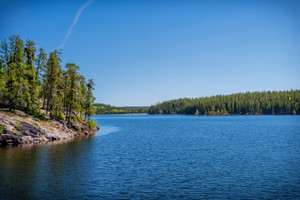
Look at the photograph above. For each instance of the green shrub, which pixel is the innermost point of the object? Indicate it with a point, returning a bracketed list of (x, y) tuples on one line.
[(76, 119), (1, 128), (57, 114), (40, 115), (18, 125), (92, 124), (61, 116)]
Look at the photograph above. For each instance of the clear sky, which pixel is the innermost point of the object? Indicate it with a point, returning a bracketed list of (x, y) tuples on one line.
[(140, 52)]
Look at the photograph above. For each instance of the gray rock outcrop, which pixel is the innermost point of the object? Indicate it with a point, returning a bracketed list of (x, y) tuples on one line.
[(19, 128)]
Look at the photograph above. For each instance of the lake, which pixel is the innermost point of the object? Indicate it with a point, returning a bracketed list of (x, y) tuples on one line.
[(162, 157)]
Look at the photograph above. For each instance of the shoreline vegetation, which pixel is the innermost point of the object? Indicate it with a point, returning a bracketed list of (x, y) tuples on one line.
[(19, 128), (105, 109), (249, 103), (39, 99)]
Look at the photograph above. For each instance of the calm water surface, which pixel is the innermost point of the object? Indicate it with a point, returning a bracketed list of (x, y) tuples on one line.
[(162, 157)]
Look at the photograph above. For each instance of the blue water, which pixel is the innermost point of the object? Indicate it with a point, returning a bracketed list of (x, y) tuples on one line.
[(162, 157)]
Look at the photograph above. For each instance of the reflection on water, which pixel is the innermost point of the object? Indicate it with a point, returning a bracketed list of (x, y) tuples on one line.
[(38, 171)]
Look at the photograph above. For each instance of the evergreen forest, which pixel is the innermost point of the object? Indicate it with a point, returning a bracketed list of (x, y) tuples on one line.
[(101, 108), (35, 82), (271, 103)]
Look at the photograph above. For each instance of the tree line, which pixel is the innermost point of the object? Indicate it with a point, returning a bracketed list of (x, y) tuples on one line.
[(101, 108), (272, 103), (31, 80)]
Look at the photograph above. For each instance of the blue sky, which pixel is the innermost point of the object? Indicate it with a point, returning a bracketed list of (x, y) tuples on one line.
[(144, 52)]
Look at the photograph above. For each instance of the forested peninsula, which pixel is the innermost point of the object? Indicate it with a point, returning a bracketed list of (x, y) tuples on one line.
[(260, 103), (41, 101)]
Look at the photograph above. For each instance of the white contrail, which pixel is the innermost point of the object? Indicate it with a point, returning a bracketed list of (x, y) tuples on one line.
[(74, 22)]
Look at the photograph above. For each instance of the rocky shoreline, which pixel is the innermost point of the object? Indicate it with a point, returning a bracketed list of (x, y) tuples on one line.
[(20, 128)]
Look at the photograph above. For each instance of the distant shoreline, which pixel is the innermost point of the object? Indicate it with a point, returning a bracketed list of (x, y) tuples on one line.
[(249, 103), (257, 114)]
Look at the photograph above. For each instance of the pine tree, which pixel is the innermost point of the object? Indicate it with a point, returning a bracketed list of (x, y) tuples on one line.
[(82, 95), (50, 84), (4, 55), (72, 94), (4, 61), (41, 62), (2, 82), (17, 84), (32, 102), (41, 66), (89, 109), (22, 84)]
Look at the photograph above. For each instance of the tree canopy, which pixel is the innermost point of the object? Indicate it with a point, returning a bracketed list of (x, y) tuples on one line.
[(108, 109), (36, 82), (281, 102)]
